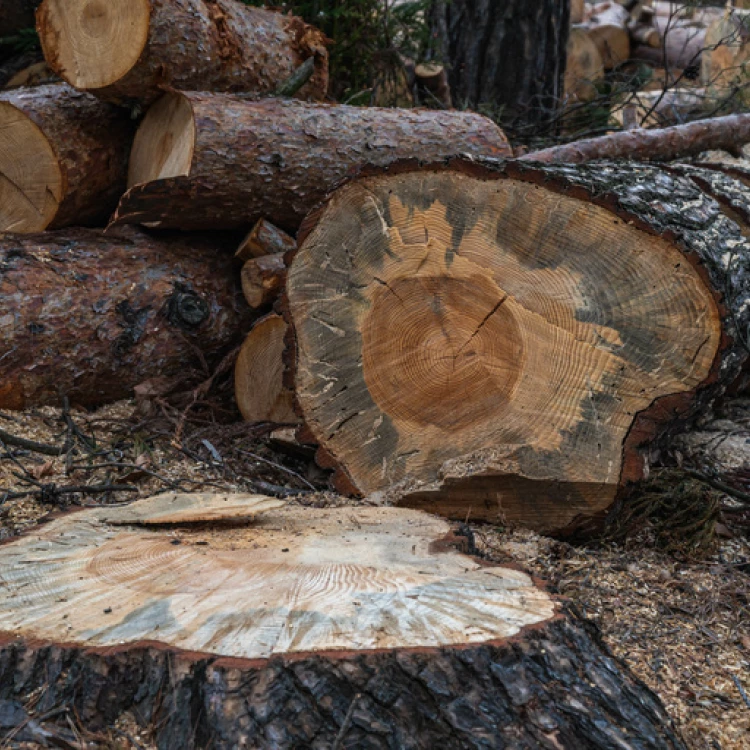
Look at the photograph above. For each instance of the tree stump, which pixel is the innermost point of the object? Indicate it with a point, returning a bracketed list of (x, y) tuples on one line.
[(63, 158), (90, 315), (130, 50), (349, 627), (215, 161), (505, 343)]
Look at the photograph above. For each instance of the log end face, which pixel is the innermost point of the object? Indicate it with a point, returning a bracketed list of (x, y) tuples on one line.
[(165, 141), (31, 180), (93, 43), (490, 341)]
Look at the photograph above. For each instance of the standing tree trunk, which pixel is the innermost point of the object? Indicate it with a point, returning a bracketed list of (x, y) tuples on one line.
[(508, 56), (16, 15), (126, 50), (67, 158), (504, 342), (317, 629), (91, 315)]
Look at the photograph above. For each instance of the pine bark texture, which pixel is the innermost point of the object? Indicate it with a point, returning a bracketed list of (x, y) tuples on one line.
[(278, 159), (91, 140), (501, 482), (666, 144), (509, 56), (16, 15), (555, 686), (90, 316), (210, 45)]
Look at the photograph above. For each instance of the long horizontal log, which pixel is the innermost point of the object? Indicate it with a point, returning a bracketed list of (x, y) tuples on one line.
[(63, 159), (214, 161), (665, 144), (89, 316), (129, 50), (327, 628), (510, 341)]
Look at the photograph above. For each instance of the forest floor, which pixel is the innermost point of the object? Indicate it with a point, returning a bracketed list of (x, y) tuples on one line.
[(681, 623)]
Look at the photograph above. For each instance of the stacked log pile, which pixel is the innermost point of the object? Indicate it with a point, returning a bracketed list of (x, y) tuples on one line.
[(452, 332)]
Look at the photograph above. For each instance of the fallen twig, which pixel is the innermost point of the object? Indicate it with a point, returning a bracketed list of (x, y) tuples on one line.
[(33, 445)]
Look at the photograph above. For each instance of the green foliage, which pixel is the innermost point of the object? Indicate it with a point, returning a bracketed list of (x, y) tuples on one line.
[(360, 29), (26, 40)]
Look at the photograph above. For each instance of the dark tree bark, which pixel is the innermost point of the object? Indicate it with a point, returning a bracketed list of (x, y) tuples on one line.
[(16, 15), (90, 315), (509, 56)]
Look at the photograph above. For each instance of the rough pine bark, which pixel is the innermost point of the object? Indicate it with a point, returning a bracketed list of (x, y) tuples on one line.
[(334, 627), (130, 50), (217, 161), (65, 158), (508, 56), (509, 341), (90, 315)]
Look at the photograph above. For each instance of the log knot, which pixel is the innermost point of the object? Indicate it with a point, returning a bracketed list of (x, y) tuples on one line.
[(185, 308)]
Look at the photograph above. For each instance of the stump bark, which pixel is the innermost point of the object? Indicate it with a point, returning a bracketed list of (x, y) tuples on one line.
[(130, 50), (63, 158), (216, 161), (356, 627), (506, 342), (259, 374), (90, 315)]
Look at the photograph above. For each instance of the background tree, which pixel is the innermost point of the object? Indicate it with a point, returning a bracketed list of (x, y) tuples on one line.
[(505, 58)]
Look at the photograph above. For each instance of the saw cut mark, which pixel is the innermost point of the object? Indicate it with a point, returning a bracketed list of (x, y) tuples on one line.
[(291, 581), (93, 43), (31, 182)]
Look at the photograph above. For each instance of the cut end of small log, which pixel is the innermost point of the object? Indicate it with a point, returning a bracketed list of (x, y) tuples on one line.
[(164, 143), (259, 373), (288, 581), (31, 181), (93, 43)]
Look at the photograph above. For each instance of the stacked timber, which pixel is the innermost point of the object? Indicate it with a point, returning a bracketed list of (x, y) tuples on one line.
[(497, 341)]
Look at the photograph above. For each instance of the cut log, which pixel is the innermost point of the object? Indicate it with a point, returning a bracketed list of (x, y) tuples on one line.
[(682, 45), (263, 279), (664, 144), (434, 78), (216, 161), (584, 67), (607, 27), (63, 158), (725, 61), (16, 15), (348, 627), (659, 109), (89, 316), (502, 342), (130, 50), (264, 239), (259, 374)]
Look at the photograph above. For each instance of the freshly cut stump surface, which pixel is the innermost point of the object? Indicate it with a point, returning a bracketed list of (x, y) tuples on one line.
[(496, 344), (301, 626), (259, 374)]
